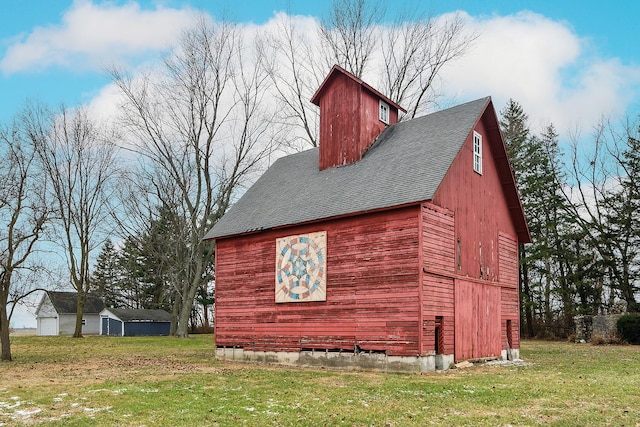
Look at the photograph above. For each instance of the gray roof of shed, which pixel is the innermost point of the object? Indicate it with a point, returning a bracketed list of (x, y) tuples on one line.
[(140, 314), (67, 302), (406, 164)]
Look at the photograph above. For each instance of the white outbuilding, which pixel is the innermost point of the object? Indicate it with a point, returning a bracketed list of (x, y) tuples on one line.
[(56, 314)]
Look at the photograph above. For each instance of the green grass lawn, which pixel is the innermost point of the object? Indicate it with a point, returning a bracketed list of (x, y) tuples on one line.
[(161, 381)]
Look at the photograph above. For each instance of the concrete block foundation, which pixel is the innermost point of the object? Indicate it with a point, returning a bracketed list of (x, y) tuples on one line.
[(348, 360), (511, 354)]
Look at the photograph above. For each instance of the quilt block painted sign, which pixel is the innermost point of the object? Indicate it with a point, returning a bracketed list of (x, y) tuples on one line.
[(301, 266)]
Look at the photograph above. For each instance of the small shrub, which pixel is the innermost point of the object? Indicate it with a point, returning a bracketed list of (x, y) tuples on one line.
[(604, 340), (616, 339), (629, 328)]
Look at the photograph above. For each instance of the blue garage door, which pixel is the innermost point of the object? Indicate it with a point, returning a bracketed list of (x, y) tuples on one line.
[(111, 327)]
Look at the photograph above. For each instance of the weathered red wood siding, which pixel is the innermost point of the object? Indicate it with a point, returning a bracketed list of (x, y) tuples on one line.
[(349, 121), (438, 300), (438, 228), (486, 254), (477, 324), (438, 261), (510, 305), (480, 208), (475, 309), (508, 258), (372, 289), (508, 254)]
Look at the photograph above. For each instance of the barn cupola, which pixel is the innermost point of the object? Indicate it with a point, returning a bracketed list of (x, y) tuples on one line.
[(352, 115)]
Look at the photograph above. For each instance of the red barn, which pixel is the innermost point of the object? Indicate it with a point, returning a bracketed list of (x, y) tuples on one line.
[(392, 246)]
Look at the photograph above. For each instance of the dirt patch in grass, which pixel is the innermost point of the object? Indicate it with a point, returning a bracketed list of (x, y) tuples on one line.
[(94, 371)]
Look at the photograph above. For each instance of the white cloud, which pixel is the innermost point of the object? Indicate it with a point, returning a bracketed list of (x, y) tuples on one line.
[(546, 67), (104, 105), (94, 35), (543, 64)]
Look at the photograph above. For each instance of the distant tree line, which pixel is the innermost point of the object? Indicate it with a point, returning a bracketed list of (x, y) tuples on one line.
[(582, 209)]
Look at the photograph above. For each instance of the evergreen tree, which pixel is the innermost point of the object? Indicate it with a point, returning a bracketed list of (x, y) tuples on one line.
[(152, 261), (147, 271), (515, 132), (165, 255), (547, 265), (570, 260), (131, 261), (107, 276)]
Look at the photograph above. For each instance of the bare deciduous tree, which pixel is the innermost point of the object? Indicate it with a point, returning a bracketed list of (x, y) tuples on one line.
[(202, 127), (606, 198), (79, 162), (295, 73), (24, 210), (414, 52), (349, 34), (402, 56)]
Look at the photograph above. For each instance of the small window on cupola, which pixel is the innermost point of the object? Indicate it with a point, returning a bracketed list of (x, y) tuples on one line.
[(384, 112)]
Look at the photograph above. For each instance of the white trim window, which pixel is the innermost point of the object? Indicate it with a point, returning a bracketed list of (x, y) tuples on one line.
[(477, 152), (384, 112)]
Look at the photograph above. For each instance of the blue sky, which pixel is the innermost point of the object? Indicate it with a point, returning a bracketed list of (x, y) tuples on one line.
[(577, 58), (567, 62)]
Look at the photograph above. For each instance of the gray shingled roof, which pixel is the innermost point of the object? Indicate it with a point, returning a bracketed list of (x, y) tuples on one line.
[(67, 302), (140, 315), (406, 164)]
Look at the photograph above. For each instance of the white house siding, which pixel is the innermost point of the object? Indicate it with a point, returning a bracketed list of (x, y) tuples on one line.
[(92, 324), (66, 324), (46, 308)]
